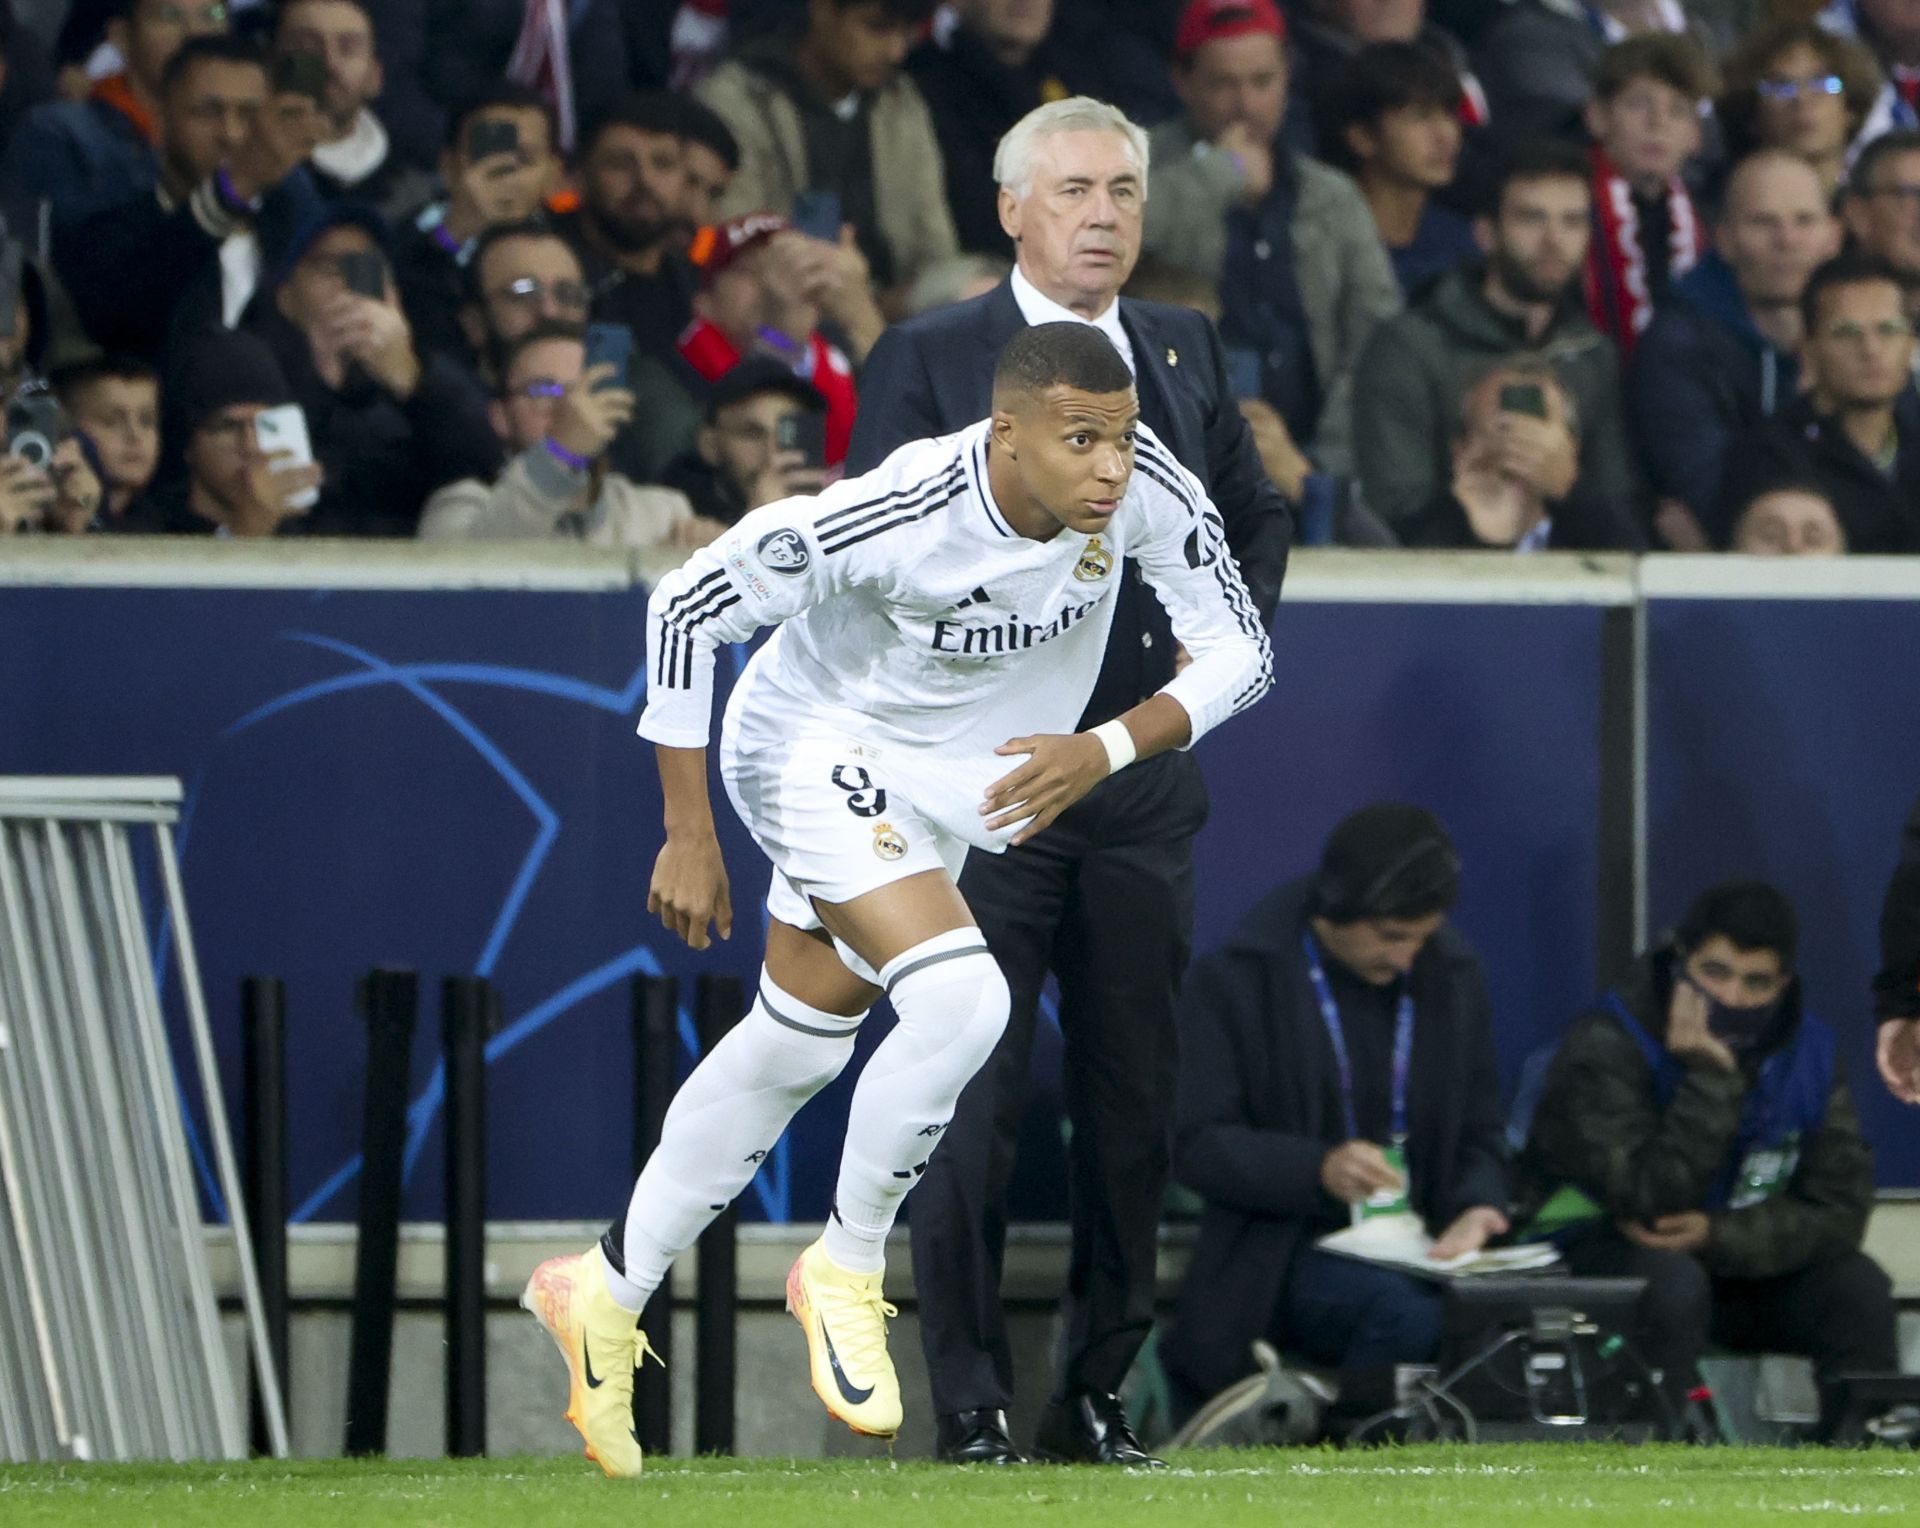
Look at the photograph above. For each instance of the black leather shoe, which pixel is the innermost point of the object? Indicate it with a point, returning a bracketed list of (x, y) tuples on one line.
[(974, 1437), (1091, 1429)]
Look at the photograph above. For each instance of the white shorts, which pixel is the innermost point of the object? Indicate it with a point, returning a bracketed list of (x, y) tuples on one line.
[(834, 819)]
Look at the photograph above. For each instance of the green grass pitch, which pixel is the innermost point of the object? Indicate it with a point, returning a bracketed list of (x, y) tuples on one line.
[(1397, 1488)]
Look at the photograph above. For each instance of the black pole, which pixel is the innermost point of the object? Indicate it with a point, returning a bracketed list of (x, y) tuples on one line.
[(1622, 765), (389, 1001), (656, 1046), (469, 1012), (263, 1031), (717, 1009)]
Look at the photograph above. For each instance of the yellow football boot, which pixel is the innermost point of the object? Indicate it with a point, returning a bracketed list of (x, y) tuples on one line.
[(602, 1344), (845, 1319)]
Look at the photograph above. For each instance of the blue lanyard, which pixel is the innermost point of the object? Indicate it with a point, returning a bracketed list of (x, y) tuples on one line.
[(1402, 1043)]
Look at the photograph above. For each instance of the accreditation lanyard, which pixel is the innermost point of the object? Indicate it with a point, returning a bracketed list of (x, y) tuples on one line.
[(1336, 1035)]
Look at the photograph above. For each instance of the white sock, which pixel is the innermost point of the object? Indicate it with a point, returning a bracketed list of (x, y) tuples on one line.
[(953, 1003), (722, 1123)]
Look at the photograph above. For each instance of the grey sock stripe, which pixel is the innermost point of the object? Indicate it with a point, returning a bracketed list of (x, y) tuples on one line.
[(807, 1029), (933, 960)]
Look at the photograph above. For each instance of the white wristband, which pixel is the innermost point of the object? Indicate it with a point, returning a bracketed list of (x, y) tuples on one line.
[(1118, 742)]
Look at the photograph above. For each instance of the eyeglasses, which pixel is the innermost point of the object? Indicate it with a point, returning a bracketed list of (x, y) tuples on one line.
[(539, 387), (1790, 90), (570, 295), (1853, 334), (183, 15)]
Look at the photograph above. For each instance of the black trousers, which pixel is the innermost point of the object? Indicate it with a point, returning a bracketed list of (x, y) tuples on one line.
[(1104, 900), (1839, 1313)]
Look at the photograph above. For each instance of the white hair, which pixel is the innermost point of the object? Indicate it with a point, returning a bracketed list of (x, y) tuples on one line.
[(1013, 160)]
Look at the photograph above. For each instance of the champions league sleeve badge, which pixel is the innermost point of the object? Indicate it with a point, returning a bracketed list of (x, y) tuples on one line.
[(784, 551)]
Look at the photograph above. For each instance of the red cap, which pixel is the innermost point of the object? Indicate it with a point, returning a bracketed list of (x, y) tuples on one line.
[(1205, 21), (736, 236)]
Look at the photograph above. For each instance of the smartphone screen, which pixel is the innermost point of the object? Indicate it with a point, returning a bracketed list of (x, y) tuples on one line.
[(283, 430), (817, 214), (805, 432), (491, 136), (1528, 398), (610, 345), (364, 272)]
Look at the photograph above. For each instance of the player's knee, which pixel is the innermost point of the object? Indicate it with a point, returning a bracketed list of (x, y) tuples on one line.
[(951, 990)]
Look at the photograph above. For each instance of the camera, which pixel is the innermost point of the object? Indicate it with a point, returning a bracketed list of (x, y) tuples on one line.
[(35, 424)]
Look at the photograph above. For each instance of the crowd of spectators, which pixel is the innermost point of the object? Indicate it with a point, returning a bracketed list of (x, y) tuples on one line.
[(1625, 274)]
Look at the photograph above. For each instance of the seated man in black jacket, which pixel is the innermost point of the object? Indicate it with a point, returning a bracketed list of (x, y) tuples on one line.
[(1699, 1123), (1338, 1048), (389, 423), (1856, 432)]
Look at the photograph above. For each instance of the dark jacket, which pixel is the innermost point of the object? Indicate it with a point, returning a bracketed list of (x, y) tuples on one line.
[(382, 456), (973, 98), (441, 54), (75, 157), (1259, 1107), (1415, 371), (1878, 513), (1896, 990), (933, 375), (1701, 375), (144, 270), (1600, 1128)]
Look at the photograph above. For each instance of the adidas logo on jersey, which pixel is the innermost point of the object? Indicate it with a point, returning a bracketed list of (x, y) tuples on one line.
[(1012, 635), (978, 597)]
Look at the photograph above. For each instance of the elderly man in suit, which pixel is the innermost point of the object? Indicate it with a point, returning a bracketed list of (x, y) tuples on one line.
[(1104, 898)]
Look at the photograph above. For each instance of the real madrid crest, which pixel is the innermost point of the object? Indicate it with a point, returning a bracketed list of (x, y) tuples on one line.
[(888, 844), (1095, 563)]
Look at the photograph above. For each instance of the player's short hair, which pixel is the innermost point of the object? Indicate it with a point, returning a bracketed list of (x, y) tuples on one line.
[(1749, 915), (1385, 77), (1013, 159), (1059, 355), (1536, 159)]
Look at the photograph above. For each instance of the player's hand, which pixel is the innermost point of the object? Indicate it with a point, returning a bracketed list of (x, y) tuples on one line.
[(586, 420), (1256, 160), (1898, 1054), (1060, 769), (1688, 1036), (1538, 453), (374, 332), (689, 889), (1358, 1170), (1686, 1232), (77, 489), (268, 490), (1472, 1231)]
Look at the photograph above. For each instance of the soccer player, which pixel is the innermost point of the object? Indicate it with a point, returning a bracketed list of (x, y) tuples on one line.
[(945, 616)]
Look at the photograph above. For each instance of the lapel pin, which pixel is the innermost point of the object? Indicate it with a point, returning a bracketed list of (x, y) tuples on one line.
[(1173, 356)]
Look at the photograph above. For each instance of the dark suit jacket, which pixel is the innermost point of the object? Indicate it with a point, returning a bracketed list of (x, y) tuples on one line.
[(1259, 1107), (934, 374)]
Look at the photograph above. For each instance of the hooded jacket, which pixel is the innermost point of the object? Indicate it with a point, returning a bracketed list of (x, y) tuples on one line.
[(1416, 370), (1601, 1128), (1259, 1107), (1702, 374)]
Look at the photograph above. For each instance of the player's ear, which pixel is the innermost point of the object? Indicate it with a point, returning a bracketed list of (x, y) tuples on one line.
[(1004, 433)]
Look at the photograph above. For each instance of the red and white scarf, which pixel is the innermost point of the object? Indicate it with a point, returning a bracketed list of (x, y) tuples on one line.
[(541, 60), (1618, 300)]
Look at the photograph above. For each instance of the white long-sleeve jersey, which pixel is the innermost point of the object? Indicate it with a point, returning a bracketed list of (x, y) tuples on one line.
[(916, 620)]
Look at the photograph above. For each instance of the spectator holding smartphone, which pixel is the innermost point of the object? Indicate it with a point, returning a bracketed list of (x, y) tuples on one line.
[(500, 164), (765, 290), (46, 483), (114, 404), (738, 461), (389, 423), (220, 385), (558, 415)]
